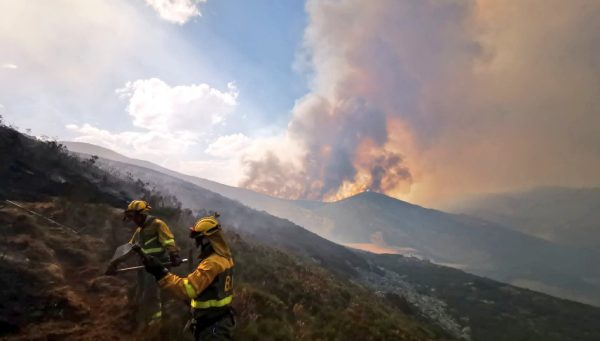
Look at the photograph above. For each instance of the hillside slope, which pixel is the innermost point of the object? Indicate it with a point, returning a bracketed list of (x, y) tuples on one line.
[(413, 293), (568, 216), (245, 196), (381, 224), (284, 268), (53, 285), (493, 310), (62, 263), (471, 244)]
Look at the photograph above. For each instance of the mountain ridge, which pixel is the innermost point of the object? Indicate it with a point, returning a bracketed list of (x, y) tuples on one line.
[(567, 216)]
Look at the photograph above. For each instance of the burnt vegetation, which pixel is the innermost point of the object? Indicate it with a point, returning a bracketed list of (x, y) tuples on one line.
[(290, 283), (52, 276)]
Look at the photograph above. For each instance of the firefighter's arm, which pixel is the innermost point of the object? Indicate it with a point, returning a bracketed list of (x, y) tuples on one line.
[(191, 286), (166, 238)]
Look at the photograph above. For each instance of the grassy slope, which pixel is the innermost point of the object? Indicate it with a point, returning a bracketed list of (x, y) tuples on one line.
[(291, 283), (53, 286), (52, 279), (262, 228), (480, 247), (290, 299), (497, 311), (477, 246)]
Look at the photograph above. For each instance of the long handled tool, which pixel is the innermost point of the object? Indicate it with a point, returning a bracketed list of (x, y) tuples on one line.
[(185, 260), (52, 221), (123, 252)]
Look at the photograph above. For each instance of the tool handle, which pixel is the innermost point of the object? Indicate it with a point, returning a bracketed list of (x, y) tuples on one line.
[(137, 267)]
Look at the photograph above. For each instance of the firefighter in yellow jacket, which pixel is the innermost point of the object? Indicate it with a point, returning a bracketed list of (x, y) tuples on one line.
[(156, 239), (209, 289)]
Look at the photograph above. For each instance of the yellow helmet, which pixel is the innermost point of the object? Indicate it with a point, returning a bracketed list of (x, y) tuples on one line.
[(205, 227), (138, 206)]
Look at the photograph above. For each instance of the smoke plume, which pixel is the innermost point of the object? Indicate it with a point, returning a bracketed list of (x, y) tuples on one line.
[(430, 100)]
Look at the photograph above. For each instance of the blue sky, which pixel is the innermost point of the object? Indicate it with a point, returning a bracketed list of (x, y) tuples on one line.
[(255, 44), (83, 55), (251, 43)]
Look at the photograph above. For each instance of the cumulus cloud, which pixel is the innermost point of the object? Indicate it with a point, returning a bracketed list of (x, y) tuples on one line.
[(157, 106), (103, 43), (225, 171), (176, 11), (428, 100), (138, 144), (100, 43), (171, 118), (229, 146)]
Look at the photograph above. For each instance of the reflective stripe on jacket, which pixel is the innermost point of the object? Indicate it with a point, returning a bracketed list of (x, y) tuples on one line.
[(154, 236), (209, 288)]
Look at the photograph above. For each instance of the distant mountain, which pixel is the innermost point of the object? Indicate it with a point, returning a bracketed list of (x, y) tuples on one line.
[(464, 242), (375, 222), (246, 196), (299, 211), (568, 216)]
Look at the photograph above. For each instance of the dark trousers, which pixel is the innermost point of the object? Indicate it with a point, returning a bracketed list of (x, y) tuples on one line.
[(148, 298), (220, 329)]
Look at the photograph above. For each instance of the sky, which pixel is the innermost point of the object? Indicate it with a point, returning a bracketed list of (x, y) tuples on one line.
[(427, 101)]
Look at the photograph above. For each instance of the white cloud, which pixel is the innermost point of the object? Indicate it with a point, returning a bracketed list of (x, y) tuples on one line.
[(243, 148), (103, 43), (229, 146), (225, 171), (156, 106), (172, 119), (137, 144), (176, 11)]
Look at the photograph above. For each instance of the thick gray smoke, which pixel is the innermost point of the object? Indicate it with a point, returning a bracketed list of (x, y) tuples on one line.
[(429, 100), (330, 135)]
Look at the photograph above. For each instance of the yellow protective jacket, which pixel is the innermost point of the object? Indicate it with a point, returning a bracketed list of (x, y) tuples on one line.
[(154, 237), (210, 287)]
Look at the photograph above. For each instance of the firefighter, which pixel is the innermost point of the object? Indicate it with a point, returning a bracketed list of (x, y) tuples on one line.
[(155, 239), (209, 289)]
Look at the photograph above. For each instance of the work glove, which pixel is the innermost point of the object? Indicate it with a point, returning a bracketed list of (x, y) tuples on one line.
[(175, 259), (155, 267)]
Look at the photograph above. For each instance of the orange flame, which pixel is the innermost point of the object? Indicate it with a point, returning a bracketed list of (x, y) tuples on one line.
[(395, 179)]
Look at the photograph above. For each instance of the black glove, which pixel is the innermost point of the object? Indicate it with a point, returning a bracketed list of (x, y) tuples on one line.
[(175, 259), (155, 267)]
